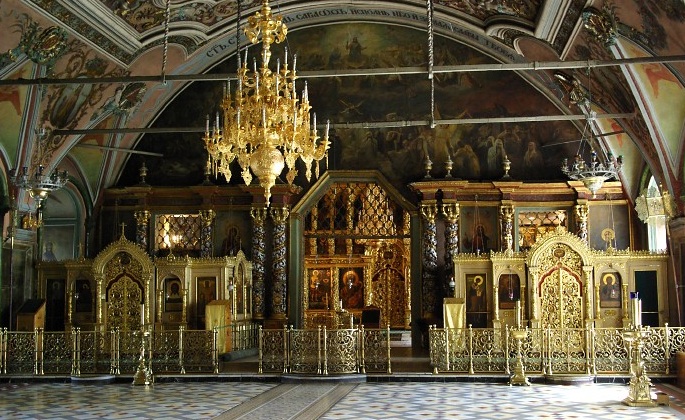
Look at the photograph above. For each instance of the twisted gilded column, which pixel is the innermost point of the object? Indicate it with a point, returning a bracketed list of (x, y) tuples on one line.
[(279, 290), (429, 211), (506, 213), (451, 212), (206, 246), (258, 261), (314, 217), (142, 224), (582, 212)]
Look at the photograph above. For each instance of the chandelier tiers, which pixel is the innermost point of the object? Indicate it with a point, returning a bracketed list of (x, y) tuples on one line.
[(595, 173), (266, 127), (39, 184)]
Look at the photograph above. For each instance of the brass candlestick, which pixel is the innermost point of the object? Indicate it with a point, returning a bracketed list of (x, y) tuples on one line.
[(639, 394), (143, 375), (519, 376)]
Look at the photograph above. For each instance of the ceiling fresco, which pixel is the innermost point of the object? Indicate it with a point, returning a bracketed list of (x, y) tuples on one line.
[(535, 149), (121, 39)]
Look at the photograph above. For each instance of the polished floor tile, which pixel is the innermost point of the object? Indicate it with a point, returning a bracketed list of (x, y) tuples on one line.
[(377, 400)]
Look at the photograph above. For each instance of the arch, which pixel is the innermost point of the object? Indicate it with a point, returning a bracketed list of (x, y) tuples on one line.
[(108, 266), (559, 236)]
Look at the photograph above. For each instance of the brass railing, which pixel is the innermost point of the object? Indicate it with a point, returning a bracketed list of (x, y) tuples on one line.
[(323, 351), (116, 352), (244, 335), (579, 351)]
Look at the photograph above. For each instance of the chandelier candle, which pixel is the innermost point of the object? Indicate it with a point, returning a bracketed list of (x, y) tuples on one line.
[(265, 126)]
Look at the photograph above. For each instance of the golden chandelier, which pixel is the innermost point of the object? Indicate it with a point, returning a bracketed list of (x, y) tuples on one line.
[(266, 127)]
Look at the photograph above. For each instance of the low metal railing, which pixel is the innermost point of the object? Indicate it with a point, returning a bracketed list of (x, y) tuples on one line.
[(116, 352), (582, 351), (324, 351)]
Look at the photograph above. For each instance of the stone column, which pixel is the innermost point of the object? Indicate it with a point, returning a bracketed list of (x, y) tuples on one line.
[(582, 212), (280, 278), (451, 212), (258, 261), (429, 211), (142, 228), (506, 212), (206, 246)]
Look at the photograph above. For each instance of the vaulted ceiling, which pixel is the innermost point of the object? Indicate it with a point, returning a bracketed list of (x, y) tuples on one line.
[(141, 59)]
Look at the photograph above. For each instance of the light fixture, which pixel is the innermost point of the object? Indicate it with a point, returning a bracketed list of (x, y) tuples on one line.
[(593, 174), (266, 127), (38, 183)]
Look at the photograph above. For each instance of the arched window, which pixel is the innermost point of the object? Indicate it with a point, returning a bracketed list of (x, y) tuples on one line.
[(651, 208)]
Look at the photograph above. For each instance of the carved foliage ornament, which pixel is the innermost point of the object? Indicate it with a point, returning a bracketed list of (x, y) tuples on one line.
[(603, 25), (40, 46)]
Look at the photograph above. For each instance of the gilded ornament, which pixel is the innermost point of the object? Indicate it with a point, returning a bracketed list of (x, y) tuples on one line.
[(602, 24)]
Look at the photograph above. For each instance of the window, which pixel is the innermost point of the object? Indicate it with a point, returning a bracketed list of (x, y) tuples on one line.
[(650, 208)]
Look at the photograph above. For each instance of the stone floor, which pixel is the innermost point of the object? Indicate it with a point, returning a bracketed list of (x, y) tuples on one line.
[(412, 391)]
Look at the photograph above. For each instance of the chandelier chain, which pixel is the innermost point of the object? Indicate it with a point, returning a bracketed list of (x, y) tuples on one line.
[(167, 18)]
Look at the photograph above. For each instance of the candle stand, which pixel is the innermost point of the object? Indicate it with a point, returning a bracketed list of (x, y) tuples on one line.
[(143, 375), (519, 376), (639, 393)]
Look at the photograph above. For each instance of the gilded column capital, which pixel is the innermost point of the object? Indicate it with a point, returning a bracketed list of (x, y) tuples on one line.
[(207, 216), (602, 24), (142, 217), (280, 215), (259, 214), (451, 211), (429, 211)]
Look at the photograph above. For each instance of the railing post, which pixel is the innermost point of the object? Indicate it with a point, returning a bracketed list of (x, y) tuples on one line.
[(548, 346), (667, 348), (470, 347), (590, 352), (431, 348), (318, 349), (181, 330), (286, 348), (215, 350), (362, 344), (3, 350), (76, 352), (448, 360), (261, 350), (506, 351), (38, 351), (325, 351), (387, 335)]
